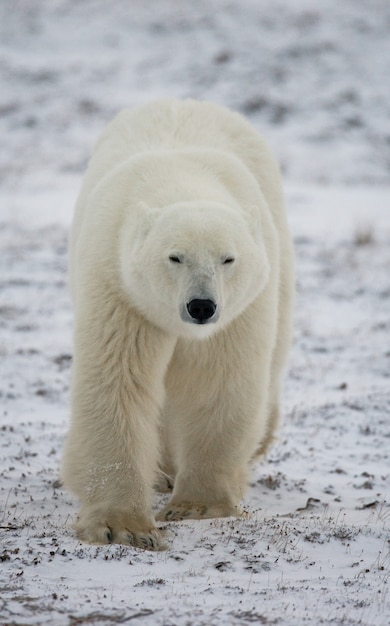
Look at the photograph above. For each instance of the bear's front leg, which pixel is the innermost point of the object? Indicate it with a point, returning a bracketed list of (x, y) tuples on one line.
[(111, 453), (213, 444), (216, 418), (203, 489)]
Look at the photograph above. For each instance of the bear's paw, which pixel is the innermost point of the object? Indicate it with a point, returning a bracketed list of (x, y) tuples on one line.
[(105, 527), (176, 512)]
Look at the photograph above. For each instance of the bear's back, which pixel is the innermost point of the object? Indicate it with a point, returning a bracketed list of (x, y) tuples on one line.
[(171, 124), (174, 124)]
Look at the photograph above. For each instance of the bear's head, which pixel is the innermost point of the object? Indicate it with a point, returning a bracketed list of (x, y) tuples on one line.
[(192, 267)]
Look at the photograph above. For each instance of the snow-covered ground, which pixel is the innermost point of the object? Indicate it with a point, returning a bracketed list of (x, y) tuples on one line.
[(314, 545)]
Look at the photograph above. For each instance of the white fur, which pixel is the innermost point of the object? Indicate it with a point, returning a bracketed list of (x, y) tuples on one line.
[(181, 201)]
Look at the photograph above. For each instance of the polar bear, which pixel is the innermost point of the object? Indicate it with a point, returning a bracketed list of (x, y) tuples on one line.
[(181, 268)]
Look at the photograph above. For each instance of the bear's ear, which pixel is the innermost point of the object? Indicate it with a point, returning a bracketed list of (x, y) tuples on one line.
[(139, 221), (145, 217), (254, 220)]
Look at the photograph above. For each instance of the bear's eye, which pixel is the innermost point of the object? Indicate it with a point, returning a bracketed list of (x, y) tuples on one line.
[(174, 258), (228, 260)]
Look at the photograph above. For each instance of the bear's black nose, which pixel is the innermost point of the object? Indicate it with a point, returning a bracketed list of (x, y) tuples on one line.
[(201, 310)]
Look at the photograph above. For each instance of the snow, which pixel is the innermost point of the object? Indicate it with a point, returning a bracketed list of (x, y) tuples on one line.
[(313, 546)]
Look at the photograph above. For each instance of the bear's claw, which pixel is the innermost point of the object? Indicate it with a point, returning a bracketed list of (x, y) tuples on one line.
[(193, 510), (119, 528)]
